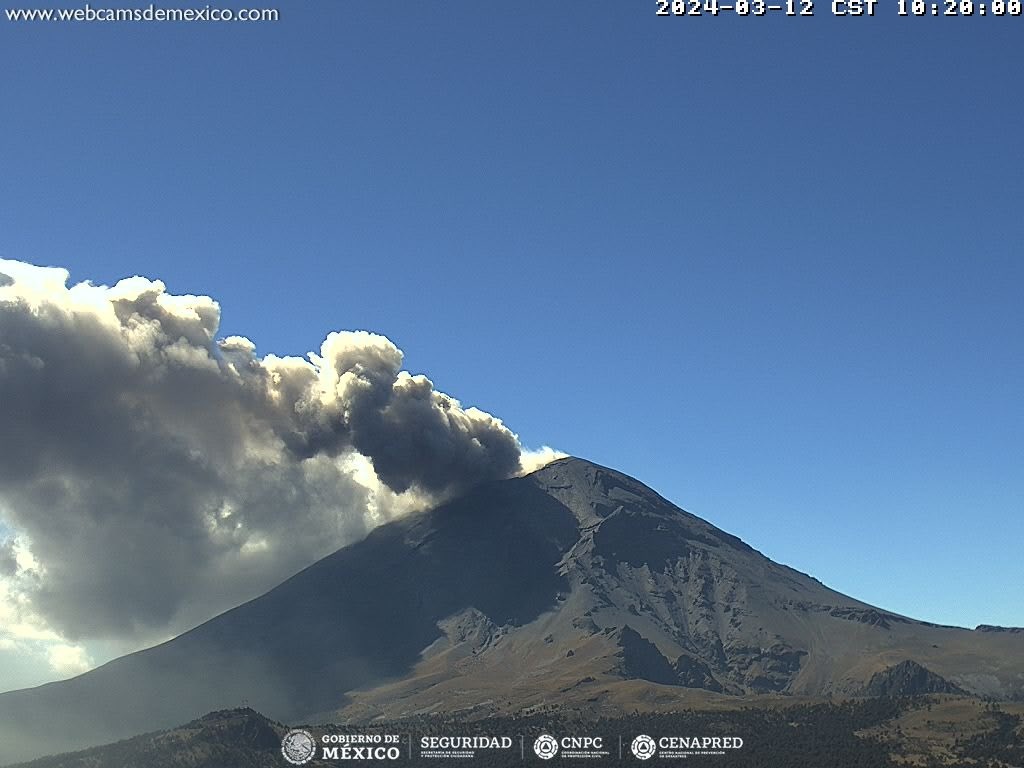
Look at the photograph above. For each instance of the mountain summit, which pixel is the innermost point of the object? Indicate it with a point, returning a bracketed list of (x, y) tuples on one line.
[(575, 585)]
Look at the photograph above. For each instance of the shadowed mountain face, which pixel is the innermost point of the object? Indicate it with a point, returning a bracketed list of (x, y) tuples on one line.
[(575, 585)]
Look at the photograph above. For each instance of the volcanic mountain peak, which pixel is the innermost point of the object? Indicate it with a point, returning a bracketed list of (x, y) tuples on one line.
[(623, 517), (594, 493), (574, 585)]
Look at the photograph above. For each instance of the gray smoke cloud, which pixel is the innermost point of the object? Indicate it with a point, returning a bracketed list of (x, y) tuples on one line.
[(8, 559), (154, 475)]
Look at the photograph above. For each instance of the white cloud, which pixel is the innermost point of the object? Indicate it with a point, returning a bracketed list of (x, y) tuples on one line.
[(154, 476), (537, 459), (68, 660), (31, 652)]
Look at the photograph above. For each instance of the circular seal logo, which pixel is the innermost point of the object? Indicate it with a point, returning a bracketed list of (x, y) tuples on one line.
[(298, 747), (545, 746), (643, 747)]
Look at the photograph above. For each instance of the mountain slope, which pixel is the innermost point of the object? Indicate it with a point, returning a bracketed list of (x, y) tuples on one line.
[(574, 585), (224, 739)]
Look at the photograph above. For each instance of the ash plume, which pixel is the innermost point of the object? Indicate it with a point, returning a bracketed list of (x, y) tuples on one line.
[(155, 475)]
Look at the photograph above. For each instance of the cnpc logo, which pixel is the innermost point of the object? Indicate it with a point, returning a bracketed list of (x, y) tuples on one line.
[(547, 746)]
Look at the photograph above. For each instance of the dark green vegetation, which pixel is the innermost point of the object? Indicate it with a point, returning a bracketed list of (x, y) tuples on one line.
[(858, 733), (240, 738), (1003, 744)]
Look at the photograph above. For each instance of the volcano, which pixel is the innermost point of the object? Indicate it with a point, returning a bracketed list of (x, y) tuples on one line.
[(575, 586)]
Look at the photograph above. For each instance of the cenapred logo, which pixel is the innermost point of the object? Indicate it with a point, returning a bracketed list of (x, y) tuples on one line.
[(545, 746), (643, 747), (298, 747)]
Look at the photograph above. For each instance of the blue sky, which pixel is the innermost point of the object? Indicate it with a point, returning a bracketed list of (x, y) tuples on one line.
[(770, 266)]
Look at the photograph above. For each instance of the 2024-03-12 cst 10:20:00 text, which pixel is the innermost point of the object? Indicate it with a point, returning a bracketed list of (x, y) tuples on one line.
[(907, 8)]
